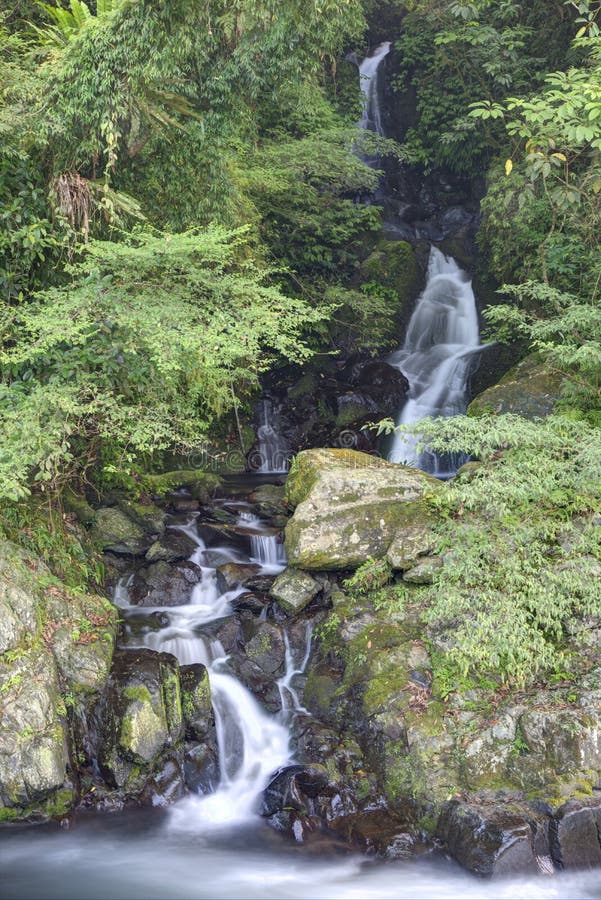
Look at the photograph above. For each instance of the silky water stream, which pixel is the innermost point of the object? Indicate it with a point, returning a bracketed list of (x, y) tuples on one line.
[(215, 845)]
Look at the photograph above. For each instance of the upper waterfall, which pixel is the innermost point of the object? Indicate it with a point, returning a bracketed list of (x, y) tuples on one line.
[(437, 357), (372, 116)]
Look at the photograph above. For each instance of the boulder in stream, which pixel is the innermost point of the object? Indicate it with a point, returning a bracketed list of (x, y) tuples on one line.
[(349, 505)]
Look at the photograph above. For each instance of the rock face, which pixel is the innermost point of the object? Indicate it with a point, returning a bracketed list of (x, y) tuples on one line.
[(349, 506), (55, 646), (531, 389), (141, 718)]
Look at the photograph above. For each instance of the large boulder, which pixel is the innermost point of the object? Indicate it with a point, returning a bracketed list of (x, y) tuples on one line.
[(142, 722), (349, 505), (55, 653), (531, 389), (116, 532)]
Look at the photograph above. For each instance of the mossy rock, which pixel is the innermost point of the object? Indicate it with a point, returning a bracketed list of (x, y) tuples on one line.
[(200, 483), (142, 718), (117, 532), (531, 389), (294, 590), (79, 506), (393, 265), (349, 506)]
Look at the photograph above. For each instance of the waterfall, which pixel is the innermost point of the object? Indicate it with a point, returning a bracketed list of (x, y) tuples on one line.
[(265, 547), (272, 449), (252, 744), (437, 358), (372, 117)]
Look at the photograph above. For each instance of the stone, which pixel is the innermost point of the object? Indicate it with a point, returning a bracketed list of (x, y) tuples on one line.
[(200, 484), (33, 734), (576, 836), (294, 590), (165, 584), (424, 570), (349, 506), (531, 389), (234, 574), (492, 840), (142, 718), (149, 517), (354, 407), (116, 532), (386, 384), (408, 544), (197, 708), (19, 597), (266, 649)]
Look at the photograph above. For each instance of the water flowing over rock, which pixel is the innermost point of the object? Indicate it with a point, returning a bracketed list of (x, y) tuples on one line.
[(438, 354)]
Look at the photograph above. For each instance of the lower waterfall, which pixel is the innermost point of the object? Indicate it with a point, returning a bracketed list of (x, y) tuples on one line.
[(252, 743)]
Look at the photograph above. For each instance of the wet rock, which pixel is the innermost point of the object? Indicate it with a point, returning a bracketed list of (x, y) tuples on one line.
[(294, 590), (234, 574), (268, 500), (387, 385), (251, 601), (174, 545), (576, 835), (141, 722), (201, 768), (166, 785), (349, 506), (163, 584), (492, 840), (116, 532), (266, 649), (293, 787), (199, 718), (354, 407), (531, 389)]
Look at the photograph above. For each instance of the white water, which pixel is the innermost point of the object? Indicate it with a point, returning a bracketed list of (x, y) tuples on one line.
[(437, 357), (132, 857), (288, 694), (272, 448), (372, 115), (252, 744), (266, 550)]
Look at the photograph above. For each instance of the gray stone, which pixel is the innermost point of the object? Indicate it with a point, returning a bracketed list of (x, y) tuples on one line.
[(294, 590), (424, 570), (408, 544), (349, 506), (33, 737)]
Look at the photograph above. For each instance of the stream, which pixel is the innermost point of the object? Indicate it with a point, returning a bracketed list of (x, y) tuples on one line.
[(215, 845)]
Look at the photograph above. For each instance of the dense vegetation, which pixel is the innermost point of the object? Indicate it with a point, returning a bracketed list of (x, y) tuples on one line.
[(177, 199)]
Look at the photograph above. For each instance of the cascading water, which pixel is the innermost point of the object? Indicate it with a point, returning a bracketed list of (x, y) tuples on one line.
[(252, 744), (265, 548), (437, 358), (272, 449), (372, 115)]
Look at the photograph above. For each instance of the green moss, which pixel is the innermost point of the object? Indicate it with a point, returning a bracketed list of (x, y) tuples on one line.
[(138, 692), (162, 484)]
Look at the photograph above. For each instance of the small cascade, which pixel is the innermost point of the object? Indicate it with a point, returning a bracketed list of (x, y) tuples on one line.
[(287, 692), (252, 744), (437, 358), (265, 547), (272, 450), (372, 114)]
